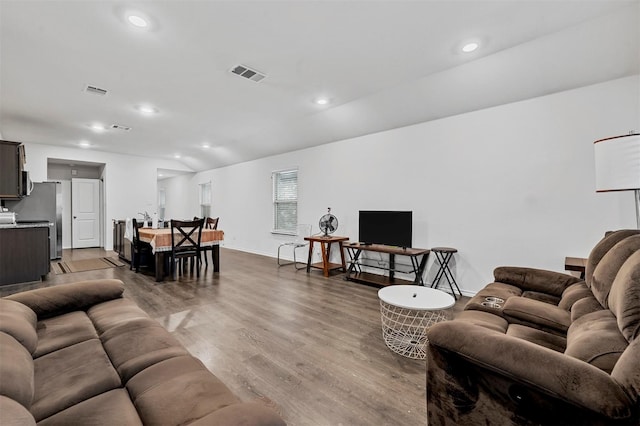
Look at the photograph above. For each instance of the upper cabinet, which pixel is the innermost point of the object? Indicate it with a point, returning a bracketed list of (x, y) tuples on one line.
[(11, 162)]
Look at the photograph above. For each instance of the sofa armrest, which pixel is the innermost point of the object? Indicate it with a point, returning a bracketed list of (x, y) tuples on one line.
[(532, 279), (51, 301), (552, 373), (537, 314)]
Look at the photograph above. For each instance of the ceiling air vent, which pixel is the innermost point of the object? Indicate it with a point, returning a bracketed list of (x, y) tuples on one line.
[(95, 90), (119, 127), (248, 73)]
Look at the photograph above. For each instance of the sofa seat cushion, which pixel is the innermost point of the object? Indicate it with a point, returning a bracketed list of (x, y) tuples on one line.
[(494, 290), (484, 319), (177, 390), (584, 306), (536, 314), (113, 313), (71, 375), (539, 337), (596, 339), (19, 321), (542, 297), (16, 371), (137, 344), (13, 413), (62, 331), (110, 408)]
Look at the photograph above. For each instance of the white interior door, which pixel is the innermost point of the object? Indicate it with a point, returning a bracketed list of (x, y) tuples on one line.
[(85, 213)]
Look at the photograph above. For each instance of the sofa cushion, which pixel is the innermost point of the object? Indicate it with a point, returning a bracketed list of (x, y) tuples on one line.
[(109, 408), (624, 298), (113, 313), (584, 306), (573, 293), (484, 319), (19, 321), (13, 413), (605, 272), (71, 375), (136, 345), (247, 413), (62, 331), (627, 373), (177, 390), (542, 297), (16, 371), (539, 337), (537, 314), (596, 339)]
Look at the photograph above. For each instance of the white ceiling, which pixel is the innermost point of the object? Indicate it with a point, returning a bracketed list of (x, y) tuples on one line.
[(383, 64)]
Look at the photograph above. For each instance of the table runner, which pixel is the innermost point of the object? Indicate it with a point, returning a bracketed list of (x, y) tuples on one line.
[(160, 239)]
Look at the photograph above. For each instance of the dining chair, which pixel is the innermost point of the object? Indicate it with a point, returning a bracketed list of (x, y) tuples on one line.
[(302, 230), (186, 236), (138, 248), (210, 223)]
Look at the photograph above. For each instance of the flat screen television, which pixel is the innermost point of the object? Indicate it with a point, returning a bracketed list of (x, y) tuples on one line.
[(393, 228)]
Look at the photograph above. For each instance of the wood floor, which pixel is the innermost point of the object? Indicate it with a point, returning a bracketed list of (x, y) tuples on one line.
[(309, 346)]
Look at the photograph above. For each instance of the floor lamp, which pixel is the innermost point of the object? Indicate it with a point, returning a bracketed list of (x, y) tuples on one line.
[(618, 166)]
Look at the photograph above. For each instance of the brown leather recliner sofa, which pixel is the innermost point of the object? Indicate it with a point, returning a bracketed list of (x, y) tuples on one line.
[(541, 347), (82, 354)]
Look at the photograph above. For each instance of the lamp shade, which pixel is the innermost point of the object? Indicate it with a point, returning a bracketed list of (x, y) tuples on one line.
[(618, 163)]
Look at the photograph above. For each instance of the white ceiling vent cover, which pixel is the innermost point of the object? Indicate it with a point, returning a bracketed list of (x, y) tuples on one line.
[(119, 127), (248, 73), (95, 90)]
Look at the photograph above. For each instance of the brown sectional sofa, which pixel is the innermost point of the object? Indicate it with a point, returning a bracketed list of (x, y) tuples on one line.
[(541, 347), (82, 354)]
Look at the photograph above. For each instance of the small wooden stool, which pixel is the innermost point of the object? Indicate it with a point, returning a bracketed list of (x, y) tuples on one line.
[(444, 254)]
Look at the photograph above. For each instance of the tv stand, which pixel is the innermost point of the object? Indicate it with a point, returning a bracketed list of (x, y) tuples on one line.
[(417, 256)]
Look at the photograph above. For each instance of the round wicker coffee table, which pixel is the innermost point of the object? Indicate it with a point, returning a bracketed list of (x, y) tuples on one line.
[(407, 312)]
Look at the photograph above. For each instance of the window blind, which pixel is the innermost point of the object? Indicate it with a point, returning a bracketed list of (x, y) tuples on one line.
[(285, 201)]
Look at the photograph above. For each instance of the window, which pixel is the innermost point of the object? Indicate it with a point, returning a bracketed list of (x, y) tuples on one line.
[(205, 199), (285, 201)]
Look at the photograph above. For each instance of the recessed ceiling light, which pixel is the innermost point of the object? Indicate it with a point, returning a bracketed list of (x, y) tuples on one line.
[(97, 127), (137, 21), (147, 109), (176, 156), (205, 146), (84, 144), (322, 101), (470, 47)]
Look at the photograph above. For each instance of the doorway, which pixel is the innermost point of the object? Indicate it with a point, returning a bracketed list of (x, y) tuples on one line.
[(65, 171)]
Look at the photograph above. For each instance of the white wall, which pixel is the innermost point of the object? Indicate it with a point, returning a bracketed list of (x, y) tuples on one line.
[(130, 182), (181, 197), (509, 185)]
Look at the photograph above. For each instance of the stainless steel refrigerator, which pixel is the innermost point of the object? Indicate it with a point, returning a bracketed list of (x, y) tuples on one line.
[(43, 204)]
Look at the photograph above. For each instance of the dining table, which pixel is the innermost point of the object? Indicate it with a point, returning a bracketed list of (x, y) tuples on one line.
[(160, 241)]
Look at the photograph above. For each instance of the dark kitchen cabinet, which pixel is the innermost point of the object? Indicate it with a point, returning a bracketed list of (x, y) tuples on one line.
[(11, 159), (24, 254)]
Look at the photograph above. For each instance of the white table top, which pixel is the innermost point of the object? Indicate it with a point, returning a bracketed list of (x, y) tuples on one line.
[(416, 297)]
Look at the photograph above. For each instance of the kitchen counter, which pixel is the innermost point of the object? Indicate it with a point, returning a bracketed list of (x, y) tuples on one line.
[(25, 225)]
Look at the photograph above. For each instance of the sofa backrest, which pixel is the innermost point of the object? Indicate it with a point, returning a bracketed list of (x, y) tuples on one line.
[(606, 259), (602, 247), (624, 302)]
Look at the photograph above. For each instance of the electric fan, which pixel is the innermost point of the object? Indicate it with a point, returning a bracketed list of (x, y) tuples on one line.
[(328, 223)]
